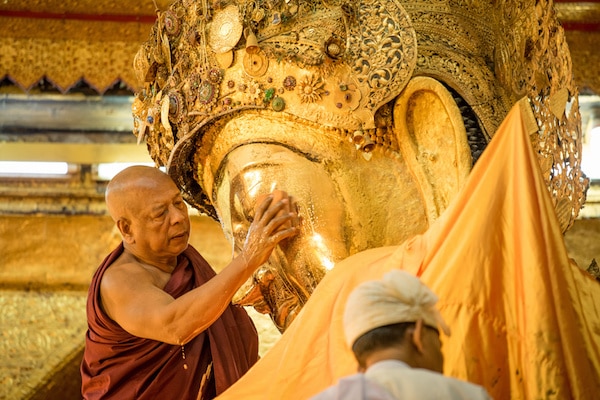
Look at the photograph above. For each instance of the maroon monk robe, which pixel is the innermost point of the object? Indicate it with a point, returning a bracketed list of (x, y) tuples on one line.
[(118, 365)]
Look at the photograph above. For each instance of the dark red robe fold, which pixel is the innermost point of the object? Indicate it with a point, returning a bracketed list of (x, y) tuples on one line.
[(121, 366)]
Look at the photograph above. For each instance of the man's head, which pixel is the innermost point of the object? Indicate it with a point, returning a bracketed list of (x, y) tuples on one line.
[(150, 213), (395, 318)]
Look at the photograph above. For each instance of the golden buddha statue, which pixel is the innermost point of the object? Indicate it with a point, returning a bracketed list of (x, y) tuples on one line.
[(370, 114)]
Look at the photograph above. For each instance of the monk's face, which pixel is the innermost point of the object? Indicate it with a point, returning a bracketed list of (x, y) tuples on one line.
[(160, 224), (346, 203)]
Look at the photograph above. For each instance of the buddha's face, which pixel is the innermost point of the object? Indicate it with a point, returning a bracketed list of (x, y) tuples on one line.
[(281, 287), (346, 203)]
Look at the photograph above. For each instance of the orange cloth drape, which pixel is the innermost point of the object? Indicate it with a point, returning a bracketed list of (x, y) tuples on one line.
[(525, 320)]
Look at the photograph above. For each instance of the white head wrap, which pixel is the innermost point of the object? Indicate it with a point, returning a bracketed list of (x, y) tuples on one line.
[(398, 297)]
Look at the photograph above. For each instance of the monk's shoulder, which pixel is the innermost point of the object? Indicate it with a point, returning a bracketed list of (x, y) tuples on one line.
[(122, 283), (125, 271)]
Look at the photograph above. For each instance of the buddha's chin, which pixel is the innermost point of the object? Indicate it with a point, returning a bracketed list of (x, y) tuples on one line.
[(282, 314), (285, 312)]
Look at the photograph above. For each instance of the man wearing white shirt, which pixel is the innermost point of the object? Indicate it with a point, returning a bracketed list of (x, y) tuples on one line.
[(392, 326)]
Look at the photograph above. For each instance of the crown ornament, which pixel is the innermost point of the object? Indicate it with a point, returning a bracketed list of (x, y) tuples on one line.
[(340, 64)]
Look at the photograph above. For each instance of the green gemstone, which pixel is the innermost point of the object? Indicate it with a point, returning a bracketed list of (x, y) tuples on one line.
[(269, 93), (278, 104)]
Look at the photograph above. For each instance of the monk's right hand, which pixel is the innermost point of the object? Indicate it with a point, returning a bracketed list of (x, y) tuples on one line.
[(273, 222)]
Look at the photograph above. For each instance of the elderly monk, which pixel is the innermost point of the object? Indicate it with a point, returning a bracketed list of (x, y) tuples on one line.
[(161, 323), (392, 327)]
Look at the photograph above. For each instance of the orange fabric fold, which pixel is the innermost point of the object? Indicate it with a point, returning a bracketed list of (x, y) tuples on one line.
[(525, 320)]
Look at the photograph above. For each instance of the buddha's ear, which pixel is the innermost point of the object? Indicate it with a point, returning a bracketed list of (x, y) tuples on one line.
[(433, 142)]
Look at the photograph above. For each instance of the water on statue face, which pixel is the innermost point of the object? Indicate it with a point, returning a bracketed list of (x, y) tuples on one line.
[(346, 203)]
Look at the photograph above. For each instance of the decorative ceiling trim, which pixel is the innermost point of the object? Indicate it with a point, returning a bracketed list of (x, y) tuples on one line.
[(66, 62), (586, 60), (95, 41), (145, 19), (134, 7), (57, 29), (579, 16)]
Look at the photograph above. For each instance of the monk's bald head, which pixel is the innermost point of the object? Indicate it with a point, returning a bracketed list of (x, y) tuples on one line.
[(126, 190)]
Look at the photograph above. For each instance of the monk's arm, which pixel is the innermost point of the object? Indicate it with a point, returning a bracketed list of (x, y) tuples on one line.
[(145, 310)]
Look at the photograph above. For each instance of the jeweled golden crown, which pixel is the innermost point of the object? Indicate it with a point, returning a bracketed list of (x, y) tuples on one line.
[(340, 63)]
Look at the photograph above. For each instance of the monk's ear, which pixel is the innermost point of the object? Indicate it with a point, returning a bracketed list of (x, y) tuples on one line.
[(124, 226), (416, 335)]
